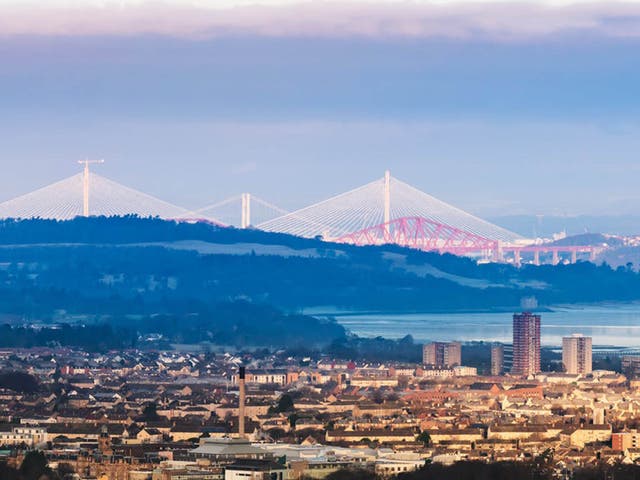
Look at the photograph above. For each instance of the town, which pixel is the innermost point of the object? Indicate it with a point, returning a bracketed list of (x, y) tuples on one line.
[(319, 240), (169, 415)]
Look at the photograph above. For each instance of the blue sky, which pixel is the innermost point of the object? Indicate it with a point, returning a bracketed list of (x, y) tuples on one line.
[(498, 108)]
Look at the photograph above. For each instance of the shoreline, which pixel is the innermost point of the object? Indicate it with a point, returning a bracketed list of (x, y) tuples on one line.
[(327, 311)]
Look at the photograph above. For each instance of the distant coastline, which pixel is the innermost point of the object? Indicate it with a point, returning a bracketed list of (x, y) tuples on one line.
[(345, 312), (612, 325)]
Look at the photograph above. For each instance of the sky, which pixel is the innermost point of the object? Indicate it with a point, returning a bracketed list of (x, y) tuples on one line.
[(497, 107)]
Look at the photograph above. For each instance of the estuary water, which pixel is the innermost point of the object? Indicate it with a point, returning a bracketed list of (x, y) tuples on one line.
[(608, 324)]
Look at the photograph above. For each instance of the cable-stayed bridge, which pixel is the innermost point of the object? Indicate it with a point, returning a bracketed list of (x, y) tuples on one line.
[(90, 194), (243, 211), (66, 199), (383, 203), (385, 211)]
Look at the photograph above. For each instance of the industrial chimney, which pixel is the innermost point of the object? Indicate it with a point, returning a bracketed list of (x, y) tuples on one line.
[(241, 402)]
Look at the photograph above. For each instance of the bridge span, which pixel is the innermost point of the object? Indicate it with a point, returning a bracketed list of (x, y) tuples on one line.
[(384, 211)]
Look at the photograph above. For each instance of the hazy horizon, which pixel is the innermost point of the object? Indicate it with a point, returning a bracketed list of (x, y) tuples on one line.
[(297, 102)]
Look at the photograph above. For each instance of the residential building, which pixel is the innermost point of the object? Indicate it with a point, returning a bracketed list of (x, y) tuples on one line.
[(497, 359), (625, 440), (576, 354), (631, 365), (30, 436), (255, 470), (226, 450), (579, 437), (442, 354), (526, 344)]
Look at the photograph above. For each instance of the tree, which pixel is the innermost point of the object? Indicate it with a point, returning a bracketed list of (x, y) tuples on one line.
[(8, 473), (285, 404), (543, 465), (377, 396), (65, 469), (34, 465), (352, 474), (20, 382), (392, 397), (425, 438), (293, 418), (150, 411)]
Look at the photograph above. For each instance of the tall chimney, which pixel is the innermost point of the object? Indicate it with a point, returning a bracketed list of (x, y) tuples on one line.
[(241, 402)]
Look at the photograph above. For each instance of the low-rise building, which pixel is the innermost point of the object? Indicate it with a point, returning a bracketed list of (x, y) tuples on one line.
[(255, 470)]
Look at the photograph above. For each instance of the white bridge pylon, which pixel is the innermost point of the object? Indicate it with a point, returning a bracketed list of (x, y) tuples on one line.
[(243, 210), (86, 184)]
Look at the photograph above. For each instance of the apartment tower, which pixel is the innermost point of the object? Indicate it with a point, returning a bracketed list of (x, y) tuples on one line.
[(497, 360), (442, 354), (526, 344), (576, 354)]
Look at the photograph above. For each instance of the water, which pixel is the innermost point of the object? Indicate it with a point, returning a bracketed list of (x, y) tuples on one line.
[(614, 325)]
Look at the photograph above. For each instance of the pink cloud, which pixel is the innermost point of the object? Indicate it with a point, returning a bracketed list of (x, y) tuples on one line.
[(503, 21)]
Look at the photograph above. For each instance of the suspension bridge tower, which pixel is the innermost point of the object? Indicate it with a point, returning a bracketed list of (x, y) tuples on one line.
[(85, 184), (387, 196), (245, 220)]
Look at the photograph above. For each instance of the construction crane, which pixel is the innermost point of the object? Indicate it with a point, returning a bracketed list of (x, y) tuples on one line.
[(85, 185)]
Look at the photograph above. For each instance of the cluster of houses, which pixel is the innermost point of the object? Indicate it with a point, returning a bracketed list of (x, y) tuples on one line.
[(167, 415)]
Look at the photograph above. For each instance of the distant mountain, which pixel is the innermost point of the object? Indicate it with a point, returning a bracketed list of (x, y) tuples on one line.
[(617, 253), (590, 239), (126, 267)]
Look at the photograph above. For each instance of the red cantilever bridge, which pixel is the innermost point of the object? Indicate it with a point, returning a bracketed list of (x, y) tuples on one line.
[(424, 234)]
